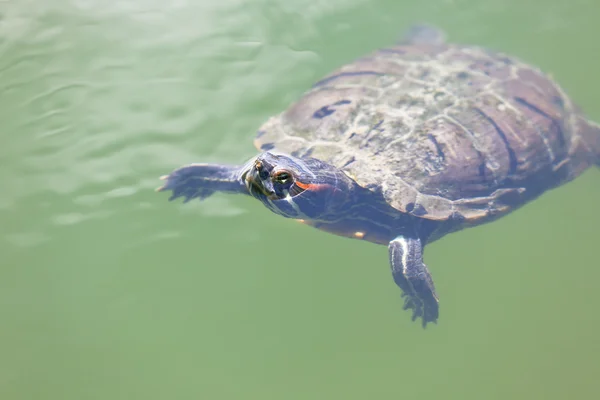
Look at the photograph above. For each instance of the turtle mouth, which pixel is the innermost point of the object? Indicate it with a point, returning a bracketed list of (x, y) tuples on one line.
[(255, 185)]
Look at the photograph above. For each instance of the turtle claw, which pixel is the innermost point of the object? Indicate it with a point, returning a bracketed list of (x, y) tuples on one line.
[(408, 302), (427, 311), (417, 309), (185, 182)]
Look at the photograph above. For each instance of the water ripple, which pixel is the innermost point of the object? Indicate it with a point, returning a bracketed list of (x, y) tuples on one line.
[(125, 108)]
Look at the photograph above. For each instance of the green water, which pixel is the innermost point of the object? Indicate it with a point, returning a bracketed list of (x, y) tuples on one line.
[(108, 291)]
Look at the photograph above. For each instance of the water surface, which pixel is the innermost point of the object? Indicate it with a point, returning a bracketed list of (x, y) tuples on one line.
[(107, 291)]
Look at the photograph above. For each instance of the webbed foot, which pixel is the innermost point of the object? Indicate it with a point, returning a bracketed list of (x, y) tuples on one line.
[(202, 180), (413, 277)]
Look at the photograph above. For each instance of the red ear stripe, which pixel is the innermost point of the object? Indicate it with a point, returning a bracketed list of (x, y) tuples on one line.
[(312, 186)]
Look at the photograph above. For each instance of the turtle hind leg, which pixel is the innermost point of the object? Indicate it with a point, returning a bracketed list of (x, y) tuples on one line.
[(413, 278), (423, 34)]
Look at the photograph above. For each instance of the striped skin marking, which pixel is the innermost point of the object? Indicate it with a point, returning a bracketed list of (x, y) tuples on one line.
[(292, 203), (312, 186), (247, 183), (413, 278), (402, 242)]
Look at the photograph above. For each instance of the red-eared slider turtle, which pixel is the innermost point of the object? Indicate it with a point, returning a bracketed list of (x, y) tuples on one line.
[(408, 144)]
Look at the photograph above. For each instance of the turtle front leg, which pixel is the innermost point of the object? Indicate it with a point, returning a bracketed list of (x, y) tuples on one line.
[(202, 180), (413, 277)]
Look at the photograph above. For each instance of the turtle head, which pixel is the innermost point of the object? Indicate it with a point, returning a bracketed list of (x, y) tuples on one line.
[(301, 188)]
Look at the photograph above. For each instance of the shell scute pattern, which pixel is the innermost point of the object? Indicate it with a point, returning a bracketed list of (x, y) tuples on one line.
[(442, 131), (364, 72), (546, 117)]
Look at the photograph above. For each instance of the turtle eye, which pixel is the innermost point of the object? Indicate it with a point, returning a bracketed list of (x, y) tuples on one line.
[(282, 177)]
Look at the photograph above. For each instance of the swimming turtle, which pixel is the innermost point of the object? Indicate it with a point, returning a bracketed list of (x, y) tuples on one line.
[(408, 144)]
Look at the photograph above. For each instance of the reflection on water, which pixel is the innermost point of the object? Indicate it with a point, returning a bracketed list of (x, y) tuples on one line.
[(108, 290)]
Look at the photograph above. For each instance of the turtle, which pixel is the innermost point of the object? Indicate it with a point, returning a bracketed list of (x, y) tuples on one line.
[(407, 144)]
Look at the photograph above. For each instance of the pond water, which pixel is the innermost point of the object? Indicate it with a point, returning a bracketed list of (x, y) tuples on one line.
[(108, 291)]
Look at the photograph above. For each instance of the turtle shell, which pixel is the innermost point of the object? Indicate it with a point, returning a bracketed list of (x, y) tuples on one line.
[(441, 130)]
